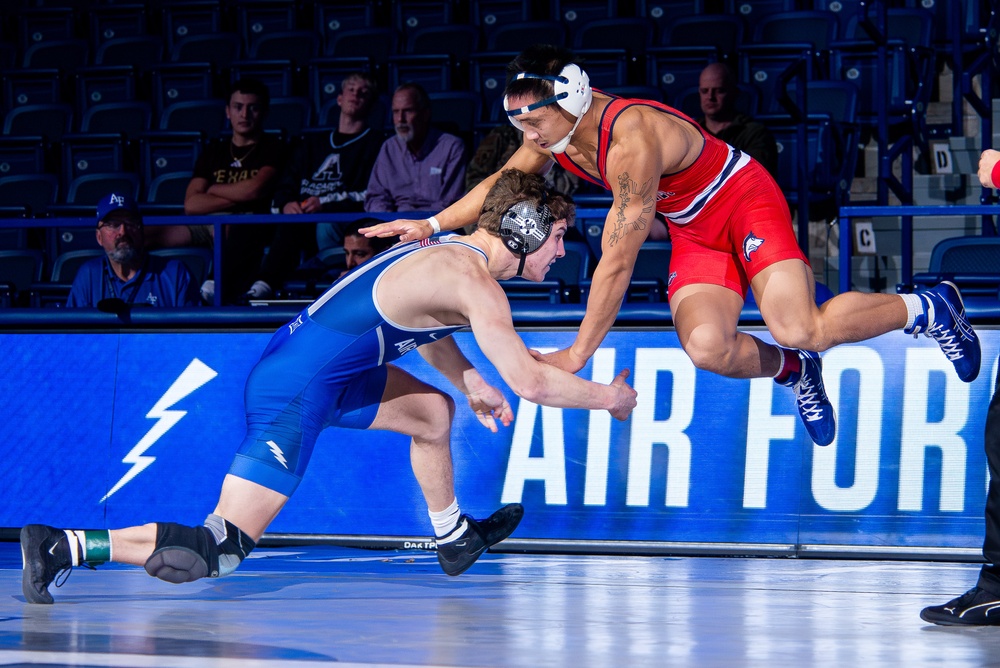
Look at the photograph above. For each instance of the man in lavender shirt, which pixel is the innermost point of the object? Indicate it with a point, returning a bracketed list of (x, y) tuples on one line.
[(420, 168)]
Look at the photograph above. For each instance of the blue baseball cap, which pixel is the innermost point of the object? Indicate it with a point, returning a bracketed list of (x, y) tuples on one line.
[(113, 202)]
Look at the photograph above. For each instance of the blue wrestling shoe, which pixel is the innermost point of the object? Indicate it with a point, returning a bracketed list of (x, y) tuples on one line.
[(814, 407), (944, 321)]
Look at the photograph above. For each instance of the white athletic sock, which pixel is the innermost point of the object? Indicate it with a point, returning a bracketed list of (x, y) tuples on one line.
[(914, 306), (445, 520)]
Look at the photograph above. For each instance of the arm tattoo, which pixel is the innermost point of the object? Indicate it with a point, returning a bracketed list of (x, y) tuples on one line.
[(627, 191)]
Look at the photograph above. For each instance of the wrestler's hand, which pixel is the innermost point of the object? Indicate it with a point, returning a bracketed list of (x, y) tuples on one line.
[(987, 161), (625, 400), (489, 405), (406, 230), (562, 359)]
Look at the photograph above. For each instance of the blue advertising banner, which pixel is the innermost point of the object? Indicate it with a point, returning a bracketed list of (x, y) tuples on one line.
[(115, 429)]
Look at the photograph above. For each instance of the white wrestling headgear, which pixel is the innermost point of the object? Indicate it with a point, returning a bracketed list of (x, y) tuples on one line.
[(572, 92)]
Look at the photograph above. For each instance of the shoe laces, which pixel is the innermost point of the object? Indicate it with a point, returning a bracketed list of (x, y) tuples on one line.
[(63, 574), (810, 399)]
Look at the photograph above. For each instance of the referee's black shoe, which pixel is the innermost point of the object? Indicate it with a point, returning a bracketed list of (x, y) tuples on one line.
[(976, 607), (44, 554), (476, 537)]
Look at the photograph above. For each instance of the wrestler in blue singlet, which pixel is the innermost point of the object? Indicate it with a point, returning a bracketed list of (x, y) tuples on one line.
[(325, 368)]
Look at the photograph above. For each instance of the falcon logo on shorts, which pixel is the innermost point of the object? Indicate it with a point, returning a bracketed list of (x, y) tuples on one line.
[(750, 244)]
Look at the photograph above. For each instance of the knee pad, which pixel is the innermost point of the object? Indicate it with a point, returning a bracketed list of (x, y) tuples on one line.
[(185, 554)]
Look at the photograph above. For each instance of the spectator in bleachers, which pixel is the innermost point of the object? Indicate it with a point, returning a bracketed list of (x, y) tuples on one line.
[(358, 248), (717, 92), (128, 275), (420, 168), (979, 605), (328, 176), (495, 150), (234, 175)]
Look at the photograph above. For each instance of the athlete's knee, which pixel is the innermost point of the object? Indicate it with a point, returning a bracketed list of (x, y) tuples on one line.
[(803, 334), (436, 415), (709, 352), (185, 554)]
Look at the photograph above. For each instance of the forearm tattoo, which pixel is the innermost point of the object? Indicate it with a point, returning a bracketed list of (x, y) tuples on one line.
[(627, 191)]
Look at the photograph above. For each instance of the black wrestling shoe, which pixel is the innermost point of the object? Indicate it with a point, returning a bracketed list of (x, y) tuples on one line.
[(976, 607), (44, 555), (458, 555)]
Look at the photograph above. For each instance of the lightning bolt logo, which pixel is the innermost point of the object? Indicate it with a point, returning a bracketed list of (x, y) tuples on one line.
[(278, 454), (194, 376)]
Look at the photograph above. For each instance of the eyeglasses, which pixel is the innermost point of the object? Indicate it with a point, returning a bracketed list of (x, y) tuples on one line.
[(115, 225)]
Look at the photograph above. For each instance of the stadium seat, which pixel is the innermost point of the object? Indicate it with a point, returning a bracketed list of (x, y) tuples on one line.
[(291, 115), (456, 112), (167, 152), (88, 189), (575, 14), (971, 262), (411, 15), (21, 87), (432, 71), (186, 19), (42, 24), (516, 36), (169, 189), (720, 32), (333, 16), (128, 118), (378, 44), (630, 34), (89, 153), (22, 155), (103, 84), (142, 52), (457, 40), (663, 12), (219, 50), (34, 192), (325, 76), (205, 116), (19, 269), (113, 22), (65, 55), (50, 121), (198, 260), (649, 275), (280, 76), (262, 18), (298, 46)]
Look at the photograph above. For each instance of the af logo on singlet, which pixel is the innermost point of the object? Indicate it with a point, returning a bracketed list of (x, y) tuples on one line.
[(406, 346)]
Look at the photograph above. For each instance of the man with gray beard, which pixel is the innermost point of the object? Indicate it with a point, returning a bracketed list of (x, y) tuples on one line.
[(128, 275)]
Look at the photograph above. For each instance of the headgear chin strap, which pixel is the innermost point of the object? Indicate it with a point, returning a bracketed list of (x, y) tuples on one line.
[(572, 92), (524, 227)]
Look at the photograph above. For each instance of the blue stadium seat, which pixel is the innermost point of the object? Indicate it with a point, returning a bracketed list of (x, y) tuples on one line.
[(489, 78), (119, 20), (219, 50), (378, 43), (650, 273), (675, 73), (457, 112), (516, 36), (99, 85), (458, 40), (280, 76), (752, 11), (50, 121), (262, 18), (971, 262), (183, 20), (431, 71), (723, 33), (91, 153), (44, 24), (205, 116), (180, 82), (489, 15), (35, 192), (630, 34), (663, 12), (65, 55), (289, 114), (333, 16), (128, 118), (411, 15), (169, 188), (143, 52), (166, 153), (297, 46), (22, 155), (19, 269), (88, 189), (198, 260), (575, 14), (67, 264), (21, 87)]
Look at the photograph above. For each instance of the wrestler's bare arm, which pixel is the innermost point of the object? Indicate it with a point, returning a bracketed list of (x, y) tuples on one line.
[(490, 318), (465, 211), (634, 165), (987, 162)]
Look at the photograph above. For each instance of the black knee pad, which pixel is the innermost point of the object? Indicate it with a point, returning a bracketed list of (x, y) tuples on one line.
[(183, 554)]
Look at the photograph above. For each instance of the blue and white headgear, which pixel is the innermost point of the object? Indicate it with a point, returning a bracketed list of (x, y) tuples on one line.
[(572, 92), (524, 228)]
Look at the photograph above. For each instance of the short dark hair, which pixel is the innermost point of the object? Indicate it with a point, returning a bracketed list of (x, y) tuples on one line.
[(537, 59), (251, 86), (378, 244)]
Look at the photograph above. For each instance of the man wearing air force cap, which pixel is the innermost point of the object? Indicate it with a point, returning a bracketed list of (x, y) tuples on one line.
[(128, 276), (730, 228), (330, 366)]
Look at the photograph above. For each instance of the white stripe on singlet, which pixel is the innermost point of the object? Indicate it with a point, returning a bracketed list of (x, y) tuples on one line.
[(736, 161)]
